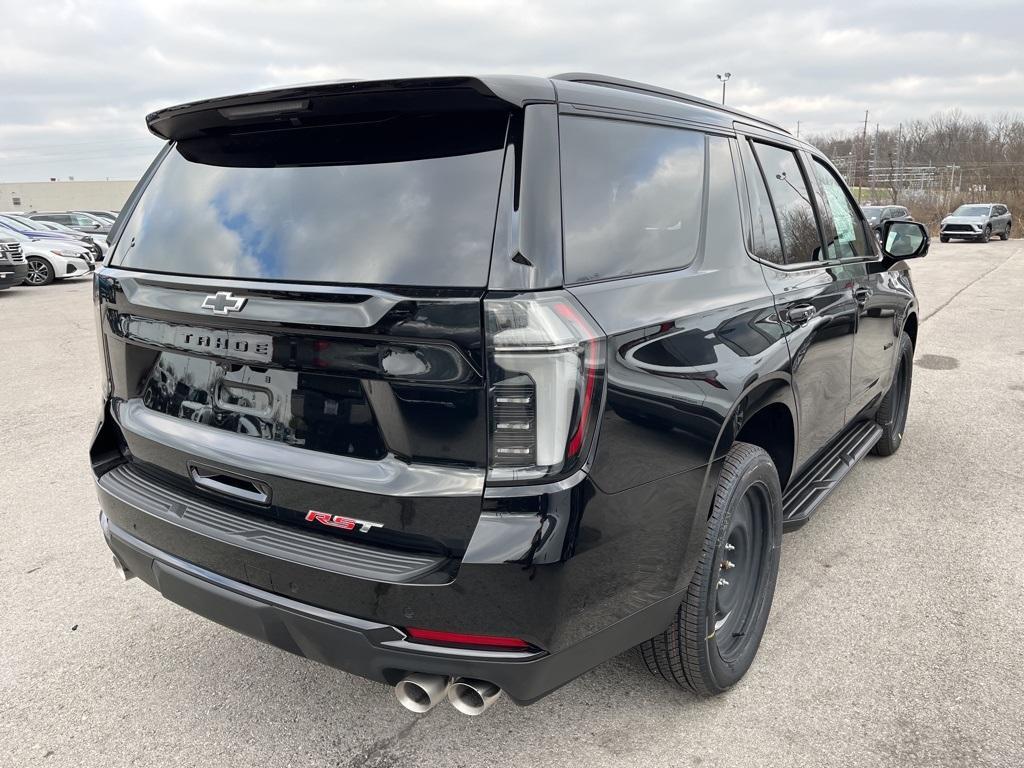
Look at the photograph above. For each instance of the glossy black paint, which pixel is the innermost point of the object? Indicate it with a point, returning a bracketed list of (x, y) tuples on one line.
[(722, 349)]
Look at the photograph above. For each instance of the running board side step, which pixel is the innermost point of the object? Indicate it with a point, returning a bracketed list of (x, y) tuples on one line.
[(803, 497)]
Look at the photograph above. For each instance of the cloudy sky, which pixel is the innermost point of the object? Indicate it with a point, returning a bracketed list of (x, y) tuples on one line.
[(77, 78)]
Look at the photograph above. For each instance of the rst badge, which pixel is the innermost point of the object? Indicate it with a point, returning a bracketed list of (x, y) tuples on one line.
[(340, 521)]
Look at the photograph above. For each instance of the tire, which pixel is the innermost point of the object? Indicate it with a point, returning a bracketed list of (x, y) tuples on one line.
[(892, 412), (1005, 235), (701, 651), (943, 239), (986, 234), (40, 271)]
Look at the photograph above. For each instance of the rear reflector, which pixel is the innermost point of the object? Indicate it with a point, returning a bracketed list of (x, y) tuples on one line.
[(438, 637)]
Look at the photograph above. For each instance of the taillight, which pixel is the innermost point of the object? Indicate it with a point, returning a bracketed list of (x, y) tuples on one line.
[(546, 360)]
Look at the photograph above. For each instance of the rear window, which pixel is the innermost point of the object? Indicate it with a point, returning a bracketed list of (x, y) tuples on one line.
[(631, 197), (386, 200)]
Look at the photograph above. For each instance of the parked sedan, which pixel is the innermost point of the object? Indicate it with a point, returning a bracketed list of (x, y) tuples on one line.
[(977, 221), (50, 260)]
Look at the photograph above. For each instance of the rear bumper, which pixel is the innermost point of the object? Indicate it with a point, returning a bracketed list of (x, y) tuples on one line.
[(369, 649), (579, 573)]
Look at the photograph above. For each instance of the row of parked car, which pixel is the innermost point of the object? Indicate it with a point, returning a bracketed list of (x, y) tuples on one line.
[(971, 221), (40, 247)]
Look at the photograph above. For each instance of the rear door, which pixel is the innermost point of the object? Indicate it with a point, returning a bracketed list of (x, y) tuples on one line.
[(293, 323), (813, 296), (848, 243)]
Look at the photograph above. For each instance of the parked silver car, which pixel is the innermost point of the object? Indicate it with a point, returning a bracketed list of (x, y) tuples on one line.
[(977, 221)]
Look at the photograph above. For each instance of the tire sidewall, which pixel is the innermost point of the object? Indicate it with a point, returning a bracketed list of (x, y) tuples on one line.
[(906, 354), (759, 471)]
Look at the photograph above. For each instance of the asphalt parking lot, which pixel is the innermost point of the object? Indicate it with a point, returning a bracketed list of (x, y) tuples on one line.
[(894, 640)]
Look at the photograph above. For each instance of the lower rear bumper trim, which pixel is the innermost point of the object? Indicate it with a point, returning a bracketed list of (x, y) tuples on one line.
[(376, 651)]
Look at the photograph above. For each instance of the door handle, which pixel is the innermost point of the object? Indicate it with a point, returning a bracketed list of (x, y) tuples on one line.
[(800, 313), (230, 485), (862, 295)]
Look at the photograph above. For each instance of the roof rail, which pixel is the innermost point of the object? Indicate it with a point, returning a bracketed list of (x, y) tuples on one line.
[(631, 85)]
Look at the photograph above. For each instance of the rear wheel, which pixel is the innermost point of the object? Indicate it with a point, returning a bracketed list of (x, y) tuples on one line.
[(943, 239), (892, 413), (986, 234), (1005, 233), (717, 630), (39, 271)]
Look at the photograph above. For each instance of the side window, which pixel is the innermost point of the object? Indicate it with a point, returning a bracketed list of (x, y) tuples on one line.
[(846, 237), (631, 197), (793, 209), (766, 242)]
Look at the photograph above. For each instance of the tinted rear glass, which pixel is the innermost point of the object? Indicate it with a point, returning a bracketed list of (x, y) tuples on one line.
[(631, 197), (390, 200)]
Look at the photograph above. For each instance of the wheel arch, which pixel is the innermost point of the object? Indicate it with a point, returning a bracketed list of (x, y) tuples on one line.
[(910, 328), (764, 414)]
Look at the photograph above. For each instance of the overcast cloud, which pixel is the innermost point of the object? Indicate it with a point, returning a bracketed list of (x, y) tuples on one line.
[(77, 78)]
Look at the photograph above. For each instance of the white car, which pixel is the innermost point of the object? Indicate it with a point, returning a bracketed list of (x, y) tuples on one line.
[(50, 260)]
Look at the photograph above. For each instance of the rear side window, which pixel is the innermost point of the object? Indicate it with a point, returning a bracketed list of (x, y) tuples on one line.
[(385, 199), (846, 237), (793, 209), (631, 197), (766, 242)]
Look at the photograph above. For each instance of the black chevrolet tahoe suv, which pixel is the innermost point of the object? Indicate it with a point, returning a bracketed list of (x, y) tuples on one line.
[(466, 385)]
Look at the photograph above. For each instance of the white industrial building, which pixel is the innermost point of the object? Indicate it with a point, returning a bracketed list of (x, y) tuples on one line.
[(64, 195)]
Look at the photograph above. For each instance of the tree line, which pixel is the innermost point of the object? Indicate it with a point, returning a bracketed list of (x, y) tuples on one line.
[(933, 165)]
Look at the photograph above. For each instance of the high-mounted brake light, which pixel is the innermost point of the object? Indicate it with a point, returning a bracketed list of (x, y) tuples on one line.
[(546, 377), (459, 639), (264, 109)]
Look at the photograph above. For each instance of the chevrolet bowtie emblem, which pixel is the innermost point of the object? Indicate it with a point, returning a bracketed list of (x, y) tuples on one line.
[(223, 302)]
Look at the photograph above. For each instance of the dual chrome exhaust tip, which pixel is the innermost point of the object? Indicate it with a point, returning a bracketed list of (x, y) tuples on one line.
[(420, 692)]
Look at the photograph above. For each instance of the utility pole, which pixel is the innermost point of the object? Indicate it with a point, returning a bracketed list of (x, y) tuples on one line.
[(899, 160), (864, 146), (874, 162), (798, 129), (724, 78)]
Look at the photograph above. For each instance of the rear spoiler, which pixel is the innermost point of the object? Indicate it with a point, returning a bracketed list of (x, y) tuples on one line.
[(318, 103)]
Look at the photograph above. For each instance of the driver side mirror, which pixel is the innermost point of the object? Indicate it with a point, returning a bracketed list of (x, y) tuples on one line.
[(904, 239)]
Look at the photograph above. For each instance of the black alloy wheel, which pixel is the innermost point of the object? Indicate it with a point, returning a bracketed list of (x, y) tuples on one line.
[(741, 574)]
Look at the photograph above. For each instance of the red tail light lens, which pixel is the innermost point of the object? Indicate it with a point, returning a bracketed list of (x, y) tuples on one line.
[(468, 641), (546, 359)]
